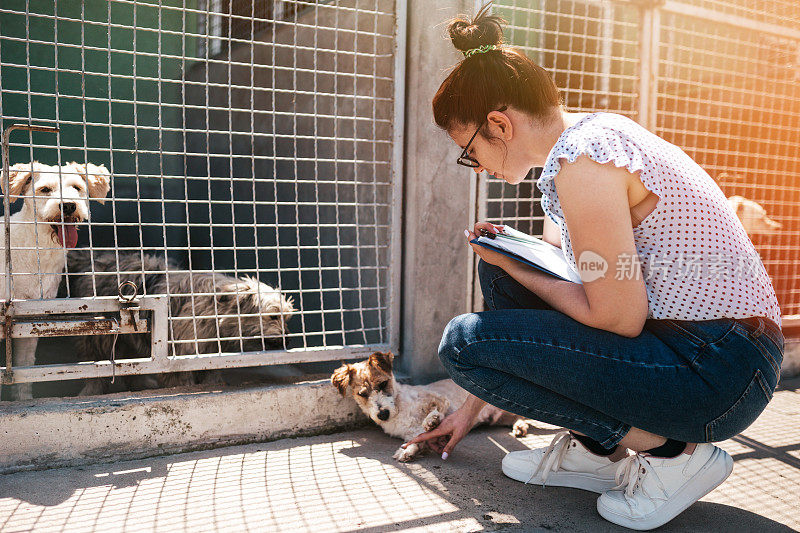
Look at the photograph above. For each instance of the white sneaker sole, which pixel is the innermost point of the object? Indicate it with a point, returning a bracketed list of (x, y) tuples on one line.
[(575, 480), (716, 470)]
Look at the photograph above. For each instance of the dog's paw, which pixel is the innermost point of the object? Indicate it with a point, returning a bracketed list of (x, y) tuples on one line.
[(432, 421), (520, 428), (406, 454)]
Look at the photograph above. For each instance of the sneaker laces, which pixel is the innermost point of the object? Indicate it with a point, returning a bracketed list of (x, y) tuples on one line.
[(631, 472), (553, 456)]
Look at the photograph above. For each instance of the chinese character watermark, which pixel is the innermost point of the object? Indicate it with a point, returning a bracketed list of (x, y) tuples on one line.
[(683, 266)]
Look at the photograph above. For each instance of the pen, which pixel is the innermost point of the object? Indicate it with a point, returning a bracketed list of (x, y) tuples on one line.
[(485, 233)]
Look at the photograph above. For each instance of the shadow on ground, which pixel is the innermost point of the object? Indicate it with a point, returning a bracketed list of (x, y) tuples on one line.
[(341, 482)]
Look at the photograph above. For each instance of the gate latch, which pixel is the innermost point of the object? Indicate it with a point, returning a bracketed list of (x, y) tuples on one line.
[(128, 293)]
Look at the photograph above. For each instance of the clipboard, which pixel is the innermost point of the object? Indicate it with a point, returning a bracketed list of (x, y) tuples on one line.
[(530, 251)]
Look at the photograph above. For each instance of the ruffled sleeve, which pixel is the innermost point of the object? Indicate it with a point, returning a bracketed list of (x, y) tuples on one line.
[(601, 144)]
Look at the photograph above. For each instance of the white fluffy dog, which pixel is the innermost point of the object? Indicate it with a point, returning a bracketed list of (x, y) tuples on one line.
[(753, 216), (56, 199), (405, 411)]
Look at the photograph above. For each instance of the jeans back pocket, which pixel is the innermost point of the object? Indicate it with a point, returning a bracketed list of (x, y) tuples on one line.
[(743, 412), (703, 332), (767, 337), (691, 339)]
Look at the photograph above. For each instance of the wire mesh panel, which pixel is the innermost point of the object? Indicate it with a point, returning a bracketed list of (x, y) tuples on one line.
[(728, 95), (780, 12), (248, 148), (591, 50)]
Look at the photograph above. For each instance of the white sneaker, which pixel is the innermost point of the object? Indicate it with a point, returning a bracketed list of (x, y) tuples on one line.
[(656, 490), (565, 463)]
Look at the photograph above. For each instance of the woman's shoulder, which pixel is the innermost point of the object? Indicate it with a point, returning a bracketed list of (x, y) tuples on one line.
[(586, 129), (602, 120), (605, 132), (601, 136)]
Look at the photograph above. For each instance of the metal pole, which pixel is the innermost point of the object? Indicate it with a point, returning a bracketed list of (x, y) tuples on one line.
[(645, 64), (7, 312), (398, 152)]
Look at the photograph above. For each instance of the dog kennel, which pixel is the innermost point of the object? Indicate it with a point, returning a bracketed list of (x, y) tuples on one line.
[(244, 140), (265, 139)]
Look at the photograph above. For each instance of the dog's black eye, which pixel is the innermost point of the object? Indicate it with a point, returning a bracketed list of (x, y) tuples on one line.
[(45, 190), (363, 393), (382, 385)]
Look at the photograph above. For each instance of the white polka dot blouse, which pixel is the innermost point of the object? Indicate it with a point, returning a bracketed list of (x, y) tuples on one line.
[(696, 259)]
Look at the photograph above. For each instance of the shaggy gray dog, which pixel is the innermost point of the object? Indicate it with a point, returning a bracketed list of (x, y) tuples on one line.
[(208, 313)]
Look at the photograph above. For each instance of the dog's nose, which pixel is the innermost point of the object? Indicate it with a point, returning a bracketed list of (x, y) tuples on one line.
[(383, 414), (69, 208)]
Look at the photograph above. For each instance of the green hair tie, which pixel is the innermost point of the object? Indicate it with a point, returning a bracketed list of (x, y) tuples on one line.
[(481, 50)]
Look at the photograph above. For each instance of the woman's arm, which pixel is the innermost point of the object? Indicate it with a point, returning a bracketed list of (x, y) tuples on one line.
[(565, 296), (551, 232), (453, 428), (594, 200)]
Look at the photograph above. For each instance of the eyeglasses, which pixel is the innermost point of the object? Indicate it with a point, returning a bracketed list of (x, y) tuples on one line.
[(467, 160)]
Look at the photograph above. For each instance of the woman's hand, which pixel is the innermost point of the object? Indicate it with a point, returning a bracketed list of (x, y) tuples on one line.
[(490, 256), (449, 432)]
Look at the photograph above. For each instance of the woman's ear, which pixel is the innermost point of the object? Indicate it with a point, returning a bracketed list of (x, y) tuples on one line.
[(501, 125)]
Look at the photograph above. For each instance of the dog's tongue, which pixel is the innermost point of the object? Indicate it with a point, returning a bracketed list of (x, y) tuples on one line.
[(67, 235)]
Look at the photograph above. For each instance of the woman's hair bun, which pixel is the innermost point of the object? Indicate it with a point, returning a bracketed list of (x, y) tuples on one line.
[(483, 29)]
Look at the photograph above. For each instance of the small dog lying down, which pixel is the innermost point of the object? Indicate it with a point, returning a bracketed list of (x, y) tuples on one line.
[(405, 411), (204, 307)]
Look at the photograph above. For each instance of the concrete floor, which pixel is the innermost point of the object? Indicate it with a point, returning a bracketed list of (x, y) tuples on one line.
[(348, 481)]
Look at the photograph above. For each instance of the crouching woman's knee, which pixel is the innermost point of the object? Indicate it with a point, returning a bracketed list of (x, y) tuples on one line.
[(458, 333)]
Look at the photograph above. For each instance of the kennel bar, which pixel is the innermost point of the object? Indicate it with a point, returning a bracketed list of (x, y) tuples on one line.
[(398, 145), (185, 363), (65, 328), (45, 314), (734, 21), (28, 315)]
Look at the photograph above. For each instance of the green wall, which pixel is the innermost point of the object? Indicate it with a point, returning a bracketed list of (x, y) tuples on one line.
[(96, 64)]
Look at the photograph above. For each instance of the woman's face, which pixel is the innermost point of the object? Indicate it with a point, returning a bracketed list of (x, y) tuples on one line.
[(499, 156)]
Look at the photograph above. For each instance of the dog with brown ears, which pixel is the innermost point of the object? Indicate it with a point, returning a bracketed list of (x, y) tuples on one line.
[(405, 411)]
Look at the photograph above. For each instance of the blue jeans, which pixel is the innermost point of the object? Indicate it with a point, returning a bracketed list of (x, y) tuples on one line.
[(693, 381)]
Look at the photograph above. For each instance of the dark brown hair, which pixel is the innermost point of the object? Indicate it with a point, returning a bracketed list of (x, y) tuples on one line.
[(486, 81)]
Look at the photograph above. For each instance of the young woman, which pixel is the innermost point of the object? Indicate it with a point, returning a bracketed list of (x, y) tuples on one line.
[(671, 342)]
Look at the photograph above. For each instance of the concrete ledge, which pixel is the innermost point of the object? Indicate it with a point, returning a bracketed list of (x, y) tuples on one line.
[(791, 357), (54, 432)]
